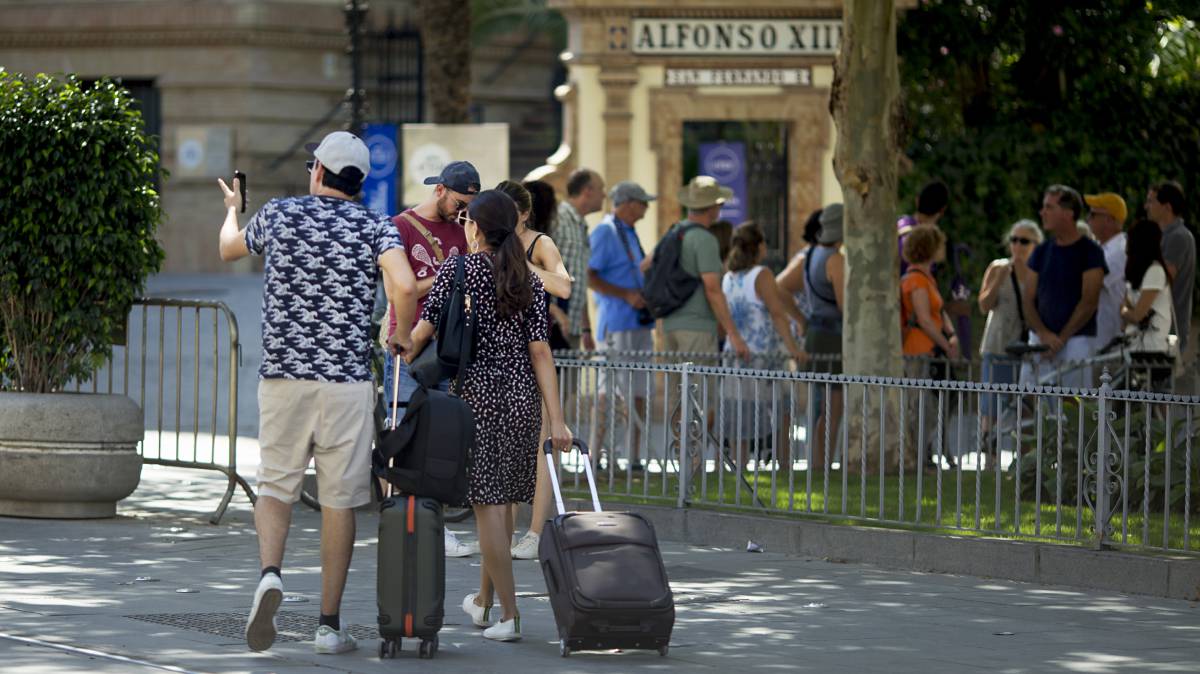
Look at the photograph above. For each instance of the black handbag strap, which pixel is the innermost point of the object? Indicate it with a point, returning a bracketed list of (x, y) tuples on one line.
[(460, 286), (629, 252), (808, 278), (1012, 275)]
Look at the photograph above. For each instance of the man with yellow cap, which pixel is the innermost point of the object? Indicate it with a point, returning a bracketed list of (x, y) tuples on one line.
[(1106, 217)]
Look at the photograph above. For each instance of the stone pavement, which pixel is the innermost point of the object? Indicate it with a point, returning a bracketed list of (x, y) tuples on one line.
[(108, 596)]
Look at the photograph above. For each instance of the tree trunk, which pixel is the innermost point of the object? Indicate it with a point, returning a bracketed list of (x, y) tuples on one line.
[(446, 36), (865, 106)]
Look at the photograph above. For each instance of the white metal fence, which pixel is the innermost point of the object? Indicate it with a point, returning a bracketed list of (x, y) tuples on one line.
[(1083, 465)]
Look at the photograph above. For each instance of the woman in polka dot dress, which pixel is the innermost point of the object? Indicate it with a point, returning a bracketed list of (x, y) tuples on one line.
[(512, 373)]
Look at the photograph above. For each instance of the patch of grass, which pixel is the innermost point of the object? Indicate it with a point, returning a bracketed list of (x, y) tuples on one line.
[(966, 502)]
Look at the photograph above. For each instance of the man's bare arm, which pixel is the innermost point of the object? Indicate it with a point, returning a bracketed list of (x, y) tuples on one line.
[(1093, 281)]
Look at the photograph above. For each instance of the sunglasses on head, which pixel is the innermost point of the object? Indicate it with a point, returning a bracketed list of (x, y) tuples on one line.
[(1020, 239)]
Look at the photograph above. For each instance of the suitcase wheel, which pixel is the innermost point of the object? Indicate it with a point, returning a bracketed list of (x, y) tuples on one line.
[(563, 649), (428, 648), (662, 650), (388, 648)]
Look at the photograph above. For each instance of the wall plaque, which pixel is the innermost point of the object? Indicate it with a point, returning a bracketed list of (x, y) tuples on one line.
[(739, 77)]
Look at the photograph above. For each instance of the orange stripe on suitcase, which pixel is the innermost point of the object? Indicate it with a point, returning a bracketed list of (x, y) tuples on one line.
[(408, 624), (412, 510)]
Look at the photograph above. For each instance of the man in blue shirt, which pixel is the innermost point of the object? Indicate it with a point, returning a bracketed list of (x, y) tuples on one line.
[(615, 275), (1063, 291)]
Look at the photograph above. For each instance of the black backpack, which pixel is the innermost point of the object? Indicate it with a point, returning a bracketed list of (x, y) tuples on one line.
[(668, 286), (427, 453)]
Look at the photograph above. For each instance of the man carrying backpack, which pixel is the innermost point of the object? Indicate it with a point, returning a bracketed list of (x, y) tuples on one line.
[(683, 286)]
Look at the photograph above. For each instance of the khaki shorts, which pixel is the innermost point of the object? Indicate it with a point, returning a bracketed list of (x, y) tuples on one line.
[(332, 423), (690, 341)]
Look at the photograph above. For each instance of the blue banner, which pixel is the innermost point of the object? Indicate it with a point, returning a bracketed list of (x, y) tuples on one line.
[(727, 163), (379, 189)]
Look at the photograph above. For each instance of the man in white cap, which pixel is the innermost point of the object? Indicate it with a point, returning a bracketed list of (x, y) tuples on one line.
[(322, 254), (693, 326)]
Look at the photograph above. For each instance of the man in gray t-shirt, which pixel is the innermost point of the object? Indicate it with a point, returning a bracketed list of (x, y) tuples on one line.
[(1164, 205)]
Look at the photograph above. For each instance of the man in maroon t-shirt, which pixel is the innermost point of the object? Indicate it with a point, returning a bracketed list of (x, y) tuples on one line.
[(431, 235)]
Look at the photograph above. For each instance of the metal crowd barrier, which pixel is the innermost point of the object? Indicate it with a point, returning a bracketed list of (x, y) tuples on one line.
[(1129, 371), (172, 359), (1075, 465)]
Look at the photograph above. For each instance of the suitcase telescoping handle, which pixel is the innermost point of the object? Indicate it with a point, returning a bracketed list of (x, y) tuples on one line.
[(548, 449)]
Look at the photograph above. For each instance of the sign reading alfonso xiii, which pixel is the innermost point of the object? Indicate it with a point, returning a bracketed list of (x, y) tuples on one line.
[(714, 37)]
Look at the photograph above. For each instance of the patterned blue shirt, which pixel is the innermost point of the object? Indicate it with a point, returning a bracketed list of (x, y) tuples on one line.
[(321, 257)]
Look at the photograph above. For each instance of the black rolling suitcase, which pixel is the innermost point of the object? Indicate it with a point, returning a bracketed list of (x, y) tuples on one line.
[(411, 574), (605, 576)]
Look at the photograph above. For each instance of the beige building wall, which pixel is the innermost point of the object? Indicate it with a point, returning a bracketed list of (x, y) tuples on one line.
[(624, 120)]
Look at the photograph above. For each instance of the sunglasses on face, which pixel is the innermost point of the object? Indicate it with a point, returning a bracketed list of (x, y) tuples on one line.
[(310, 165), (1020, 240)]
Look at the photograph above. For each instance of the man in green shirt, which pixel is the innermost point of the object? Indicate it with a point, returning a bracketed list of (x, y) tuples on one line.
[(693, 326)]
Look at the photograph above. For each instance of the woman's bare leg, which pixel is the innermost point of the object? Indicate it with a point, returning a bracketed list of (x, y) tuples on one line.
[(494, 525)]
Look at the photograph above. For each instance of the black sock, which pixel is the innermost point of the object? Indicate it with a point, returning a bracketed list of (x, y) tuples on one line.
[(271, 569), (334, 621)]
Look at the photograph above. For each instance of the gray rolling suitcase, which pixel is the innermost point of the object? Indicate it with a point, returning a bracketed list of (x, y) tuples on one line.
[(411, 573), (605, 576), (411, 577)]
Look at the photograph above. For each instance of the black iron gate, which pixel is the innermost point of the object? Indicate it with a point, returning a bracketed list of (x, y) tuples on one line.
[(395, 74)]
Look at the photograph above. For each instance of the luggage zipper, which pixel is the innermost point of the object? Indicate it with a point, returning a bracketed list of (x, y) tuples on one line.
[(409, 566)]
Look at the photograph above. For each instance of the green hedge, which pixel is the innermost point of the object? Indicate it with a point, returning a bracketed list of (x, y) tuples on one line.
[(79, 219)]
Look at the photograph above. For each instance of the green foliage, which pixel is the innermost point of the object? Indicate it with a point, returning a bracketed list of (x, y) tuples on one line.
[(1147, 445), (1005, 97), (79, 218), (494, 18)]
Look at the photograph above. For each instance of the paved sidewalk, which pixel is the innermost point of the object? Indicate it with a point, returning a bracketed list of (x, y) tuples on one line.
[(71, 601)]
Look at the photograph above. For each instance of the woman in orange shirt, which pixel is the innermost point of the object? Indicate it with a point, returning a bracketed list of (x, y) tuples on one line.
[(926, 331)]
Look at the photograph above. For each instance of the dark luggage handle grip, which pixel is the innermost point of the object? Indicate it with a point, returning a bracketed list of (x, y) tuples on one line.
[(548, 448)]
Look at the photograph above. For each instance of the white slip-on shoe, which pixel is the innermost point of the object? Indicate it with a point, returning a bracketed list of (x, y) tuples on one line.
[(456, 548), (527, 547), (505, 630), (480, 615), (260, 627), (331, 642)]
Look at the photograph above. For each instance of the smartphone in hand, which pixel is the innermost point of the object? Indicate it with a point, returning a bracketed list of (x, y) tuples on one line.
[(241, 178)]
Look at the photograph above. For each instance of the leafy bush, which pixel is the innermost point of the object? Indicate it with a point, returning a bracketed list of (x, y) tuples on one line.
[(79, 217)]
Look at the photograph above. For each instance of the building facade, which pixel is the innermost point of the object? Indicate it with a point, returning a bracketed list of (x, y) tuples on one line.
[(662, 90), (244, 84)]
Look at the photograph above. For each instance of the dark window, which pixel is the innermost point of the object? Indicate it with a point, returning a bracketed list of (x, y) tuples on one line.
[(765, 170)]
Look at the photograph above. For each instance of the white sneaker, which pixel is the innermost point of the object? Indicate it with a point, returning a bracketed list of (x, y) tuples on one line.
[(456, 548), (260, 627), (480, 615), (527, 547), (331, 642), (505, 630)]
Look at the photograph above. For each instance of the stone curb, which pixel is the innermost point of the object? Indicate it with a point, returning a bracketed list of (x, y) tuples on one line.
[(1156, 575)]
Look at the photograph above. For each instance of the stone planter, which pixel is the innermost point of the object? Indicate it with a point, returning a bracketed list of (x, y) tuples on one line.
[(68, 455)]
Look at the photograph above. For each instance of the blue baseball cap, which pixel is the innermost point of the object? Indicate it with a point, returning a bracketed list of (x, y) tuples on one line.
[(459, 176)]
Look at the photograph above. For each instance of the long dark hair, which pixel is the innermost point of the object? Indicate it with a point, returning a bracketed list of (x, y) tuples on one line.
[(743, 252), (495, 213), (518, 194), (1143, 247), (545, 205)]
